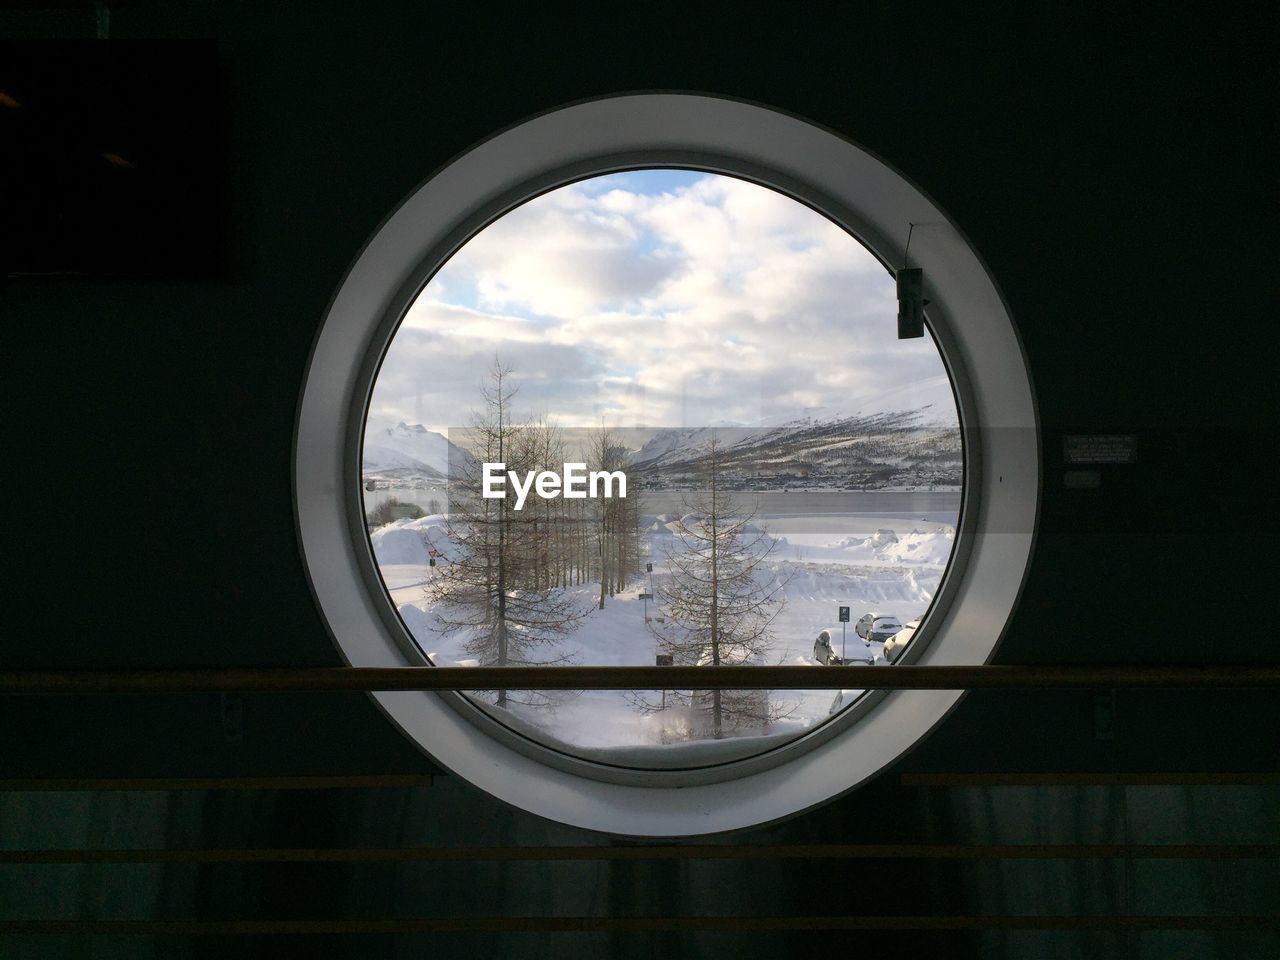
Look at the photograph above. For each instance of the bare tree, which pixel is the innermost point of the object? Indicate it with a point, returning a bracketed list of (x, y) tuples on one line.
[(540, 446), (720, 599), (492, 591)]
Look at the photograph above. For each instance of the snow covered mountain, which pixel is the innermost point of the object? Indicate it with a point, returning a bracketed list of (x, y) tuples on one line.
[(405, 451), (905, 436), (930, 400)]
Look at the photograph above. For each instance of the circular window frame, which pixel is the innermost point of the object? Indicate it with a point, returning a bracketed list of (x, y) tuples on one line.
[(736, 756), (970, 325)]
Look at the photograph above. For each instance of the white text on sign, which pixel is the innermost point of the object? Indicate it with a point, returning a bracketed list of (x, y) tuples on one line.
[(574, 483)]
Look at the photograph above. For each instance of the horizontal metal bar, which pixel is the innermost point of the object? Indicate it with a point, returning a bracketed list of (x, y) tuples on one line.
[(1089, 779), (720, 924), (638, 678), (397, 781), (878, 851), (139, 784)]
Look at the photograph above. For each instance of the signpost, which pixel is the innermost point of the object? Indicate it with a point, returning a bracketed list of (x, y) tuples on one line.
[(647, 596), (844, 621), (664, 660)]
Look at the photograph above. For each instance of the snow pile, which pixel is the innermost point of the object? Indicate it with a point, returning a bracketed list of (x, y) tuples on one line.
[(932, 548), (917, 547), (409, 541), (419, 623)]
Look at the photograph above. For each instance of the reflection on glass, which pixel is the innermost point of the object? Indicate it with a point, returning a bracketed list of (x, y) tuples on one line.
[(710, 441)]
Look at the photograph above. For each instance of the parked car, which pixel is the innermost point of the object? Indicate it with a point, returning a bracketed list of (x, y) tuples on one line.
[(846, 698), (875, 627), (824, 652), (896, 645)]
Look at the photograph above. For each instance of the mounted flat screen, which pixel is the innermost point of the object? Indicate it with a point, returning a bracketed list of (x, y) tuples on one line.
[(112, 162)]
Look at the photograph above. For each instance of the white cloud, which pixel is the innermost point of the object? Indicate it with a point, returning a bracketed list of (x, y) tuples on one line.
[(722, 300)]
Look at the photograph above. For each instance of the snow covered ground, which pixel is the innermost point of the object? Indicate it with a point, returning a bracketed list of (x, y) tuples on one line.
[(871, 563)]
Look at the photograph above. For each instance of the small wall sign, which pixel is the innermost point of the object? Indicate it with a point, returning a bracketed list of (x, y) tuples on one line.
[(1100, 448)]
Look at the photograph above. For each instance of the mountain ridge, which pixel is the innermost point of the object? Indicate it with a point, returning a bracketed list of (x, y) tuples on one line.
[(406, 450)]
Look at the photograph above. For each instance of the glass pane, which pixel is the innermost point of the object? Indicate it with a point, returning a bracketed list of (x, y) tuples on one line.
[(660, 416)]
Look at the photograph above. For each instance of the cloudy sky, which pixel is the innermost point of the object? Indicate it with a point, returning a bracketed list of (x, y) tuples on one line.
[(653, 298)]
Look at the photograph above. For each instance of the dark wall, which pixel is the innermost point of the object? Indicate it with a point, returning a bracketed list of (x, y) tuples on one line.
[(1111, 169)]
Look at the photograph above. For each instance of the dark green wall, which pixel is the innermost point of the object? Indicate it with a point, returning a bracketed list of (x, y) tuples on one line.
[(1111, 170)]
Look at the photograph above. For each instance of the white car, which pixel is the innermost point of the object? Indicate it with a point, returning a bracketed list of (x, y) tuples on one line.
[(824, 652), (877, 626), (896, 645)]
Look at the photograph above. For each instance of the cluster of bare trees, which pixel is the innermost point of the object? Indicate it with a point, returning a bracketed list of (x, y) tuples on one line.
[(616, 524), (392, 509), (505, 587)]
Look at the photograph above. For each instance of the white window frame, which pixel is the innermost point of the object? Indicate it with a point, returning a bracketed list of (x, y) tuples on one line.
[(966, 315)]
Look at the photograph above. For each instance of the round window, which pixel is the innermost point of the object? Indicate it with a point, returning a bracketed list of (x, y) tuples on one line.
[(625, 384)]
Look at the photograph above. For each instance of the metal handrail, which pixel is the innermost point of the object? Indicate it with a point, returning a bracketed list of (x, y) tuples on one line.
[(600, 924), (684, 852), (737, 677)]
